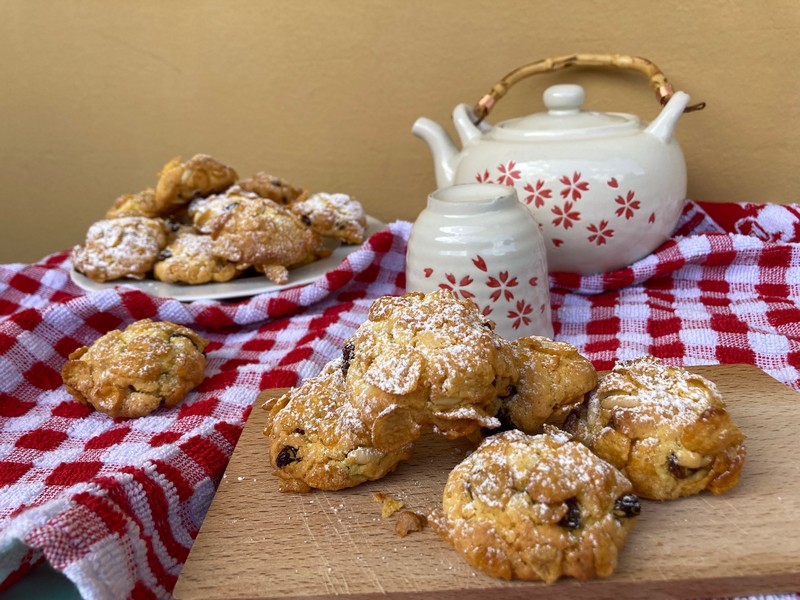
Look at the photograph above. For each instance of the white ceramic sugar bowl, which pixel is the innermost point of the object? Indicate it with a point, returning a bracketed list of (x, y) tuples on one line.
[(480, 242)]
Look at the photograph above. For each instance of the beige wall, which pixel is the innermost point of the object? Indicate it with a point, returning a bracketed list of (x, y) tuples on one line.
[(97, 95)]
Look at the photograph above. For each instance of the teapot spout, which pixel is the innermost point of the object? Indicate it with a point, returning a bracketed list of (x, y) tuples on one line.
[(445, 153), (663, 126)]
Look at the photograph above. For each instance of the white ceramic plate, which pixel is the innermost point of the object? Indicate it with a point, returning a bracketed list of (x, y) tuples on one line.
[(237, 288)]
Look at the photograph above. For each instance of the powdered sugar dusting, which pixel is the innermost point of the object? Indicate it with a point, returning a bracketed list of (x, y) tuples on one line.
[(529, 507), (450, 338), (656, 393), (550, 464), (343, 205), (405, 367), (121, 247), (319, 407), (193, 245)]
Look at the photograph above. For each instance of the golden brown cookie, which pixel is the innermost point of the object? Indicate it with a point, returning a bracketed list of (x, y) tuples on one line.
[(333, 215), (131, 372), (180, 182), (140, 204), (553, 377), (317, 439), (537, 508), (252, 231), (123, 247), (273, 188), (427, 361), (666, 428), (190, 258)]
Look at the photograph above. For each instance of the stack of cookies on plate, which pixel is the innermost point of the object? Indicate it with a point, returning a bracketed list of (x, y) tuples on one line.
[(201, 224), (554, 487)]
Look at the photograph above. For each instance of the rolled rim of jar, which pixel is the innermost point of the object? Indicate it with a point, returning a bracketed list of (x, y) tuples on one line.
[(470, 198)]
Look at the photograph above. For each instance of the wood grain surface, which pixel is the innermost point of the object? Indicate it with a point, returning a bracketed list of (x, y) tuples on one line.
[(259, 543)]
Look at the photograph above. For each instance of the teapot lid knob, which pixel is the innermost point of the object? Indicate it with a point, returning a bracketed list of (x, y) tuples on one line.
[(564, 98)]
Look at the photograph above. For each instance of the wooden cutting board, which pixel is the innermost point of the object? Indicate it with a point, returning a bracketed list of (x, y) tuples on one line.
[(259, 543)]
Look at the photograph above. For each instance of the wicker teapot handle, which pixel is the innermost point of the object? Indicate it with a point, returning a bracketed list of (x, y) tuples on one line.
[(658, 81)]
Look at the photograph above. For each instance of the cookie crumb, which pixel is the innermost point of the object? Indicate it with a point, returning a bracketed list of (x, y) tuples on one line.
[(408, 521), (389, 505)]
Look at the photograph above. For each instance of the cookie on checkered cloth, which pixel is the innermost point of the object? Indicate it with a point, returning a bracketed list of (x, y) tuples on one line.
[(537, 508), (553, 378), (666, 428), (427, 361), (126, 247), (317, 438), (132, 372)]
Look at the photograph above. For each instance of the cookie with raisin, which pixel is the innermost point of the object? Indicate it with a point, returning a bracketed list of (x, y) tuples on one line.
[(252, 231), (317, 438), (427, 361), (132, 372), (273, 188), (553, 378), (537, 508), (337, 216), (180, 182), (666, 428)]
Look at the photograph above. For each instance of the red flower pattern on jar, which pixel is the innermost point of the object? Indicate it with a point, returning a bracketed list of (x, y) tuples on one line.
[(520, 316), (500, 284), (457, 285), (480, 263)]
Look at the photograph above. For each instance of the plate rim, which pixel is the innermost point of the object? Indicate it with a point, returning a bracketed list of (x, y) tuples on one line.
[(245, 287)]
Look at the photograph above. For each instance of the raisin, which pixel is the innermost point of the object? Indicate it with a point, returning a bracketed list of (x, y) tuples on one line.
[(230, 206), (572, 420), (627, 506), (286, 456), (172, 336), (511, 390), (678, 470), (306, 220), (506, 424), (300, 431), (572, 520), (164, 254), (347, 355)]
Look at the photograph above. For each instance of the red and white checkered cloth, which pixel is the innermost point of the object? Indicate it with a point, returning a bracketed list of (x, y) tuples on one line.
[(116, 503)]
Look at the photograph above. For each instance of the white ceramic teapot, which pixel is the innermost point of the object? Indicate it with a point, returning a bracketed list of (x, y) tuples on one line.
[(605, 189)]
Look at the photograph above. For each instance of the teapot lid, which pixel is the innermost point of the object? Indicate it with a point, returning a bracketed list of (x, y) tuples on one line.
[(565, 119)]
